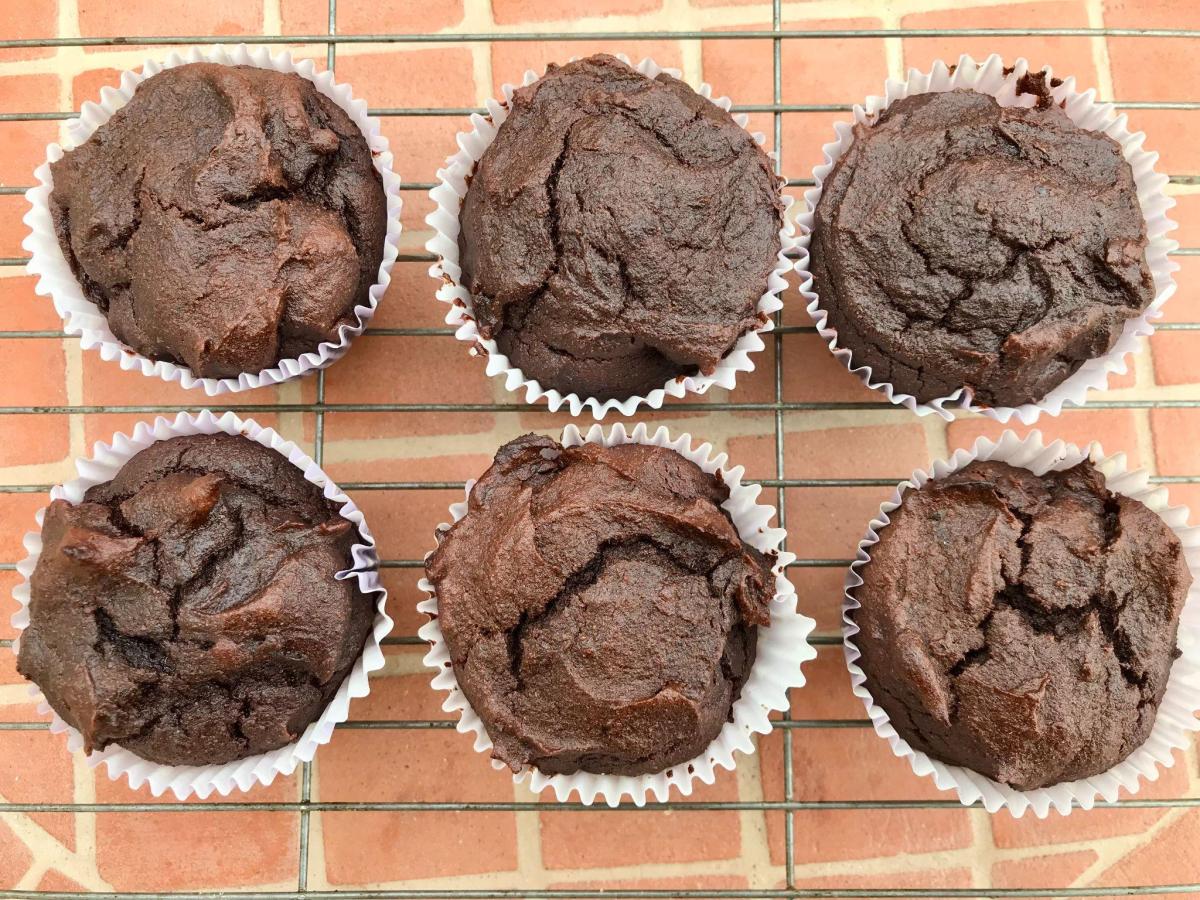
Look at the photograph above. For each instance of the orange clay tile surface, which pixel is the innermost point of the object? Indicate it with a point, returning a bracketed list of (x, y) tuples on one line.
[(735, 839)]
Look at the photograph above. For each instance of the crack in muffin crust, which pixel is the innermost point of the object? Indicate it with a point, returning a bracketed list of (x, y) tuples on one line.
[(600, 609), (226, 218), (187, 609), (1021, 626), (958, 243), (618, 232)]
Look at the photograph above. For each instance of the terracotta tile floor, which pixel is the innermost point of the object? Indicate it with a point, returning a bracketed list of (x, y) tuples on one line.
[(726, 848)]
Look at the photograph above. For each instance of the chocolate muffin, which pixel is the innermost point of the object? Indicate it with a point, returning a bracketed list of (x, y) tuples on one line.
[(226, 218), (619, 231), (1020, 625), (600, 609), (188, 611), (961, 244)]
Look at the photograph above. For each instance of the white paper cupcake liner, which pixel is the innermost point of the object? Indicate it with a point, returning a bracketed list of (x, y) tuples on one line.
[(782, 648), (1176, 715), (448, 196), (82, 317), (243, 774), (989, 77)]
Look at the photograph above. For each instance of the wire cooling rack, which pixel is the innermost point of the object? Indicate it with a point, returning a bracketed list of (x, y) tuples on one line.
[(771, 41)]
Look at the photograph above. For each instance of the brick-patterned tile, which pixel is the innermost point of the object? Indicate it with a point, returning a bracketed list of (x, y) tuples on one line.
[(450, 844), (743, 70), (403, 521), (870, 451), (825, 71), (828, 523), (428, 766), (370, 16), (1169, 133), (1186, 215), (931, 879), (873, 451), (12, 229), (29, 94), (56, 882), (820, 593), (410, 76), (219, 17), (571, 840), (832, 835), (680, 882), (24, 143), (420, 146), (86, 85), (22, 357), (15, 857), (1176, 440), (414, 77), (1115, 429), (16, 512), (21, 710), (516, 12), (388, 369), (826, 693), (1166, 859), (403, 597), (107, 384), (857, 764), (511, 59), (34, 439), (365, 462), (1152, 68), (105, 426), (23, 309), (54, 783), (411, 370), (410, 300), (813, 70), (8, 606), (757, 453), (1184, 305), (207, 850), (811, 374), (757, 386), (234, 849), (21, 20), (804, 134), (1029, 831), (1065, 55), (1054, 870), (828, 835), (1175, 358)]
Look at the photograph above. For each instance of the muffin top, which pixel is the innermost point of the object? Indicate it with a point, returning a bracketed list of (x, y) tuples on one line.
[(188, 610), (1020, 625), (600, 609), (226, 218), (959, 243), (618, 232)]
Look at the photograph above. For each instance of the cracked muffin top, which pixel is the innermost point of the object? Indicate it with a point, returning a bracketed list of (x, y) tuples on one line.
[(600, 609), (619, 232), (958, 243), (226, 218), (187, 610), (1021, 626)]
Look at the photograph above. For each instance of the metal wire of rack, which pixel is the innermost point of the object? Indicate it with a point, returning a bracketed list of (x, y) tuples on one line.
[(777, 409)]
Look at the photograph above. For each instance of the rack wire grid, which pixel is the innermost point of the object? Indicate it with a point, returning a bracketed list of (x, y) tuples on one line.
[(793, 729)]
